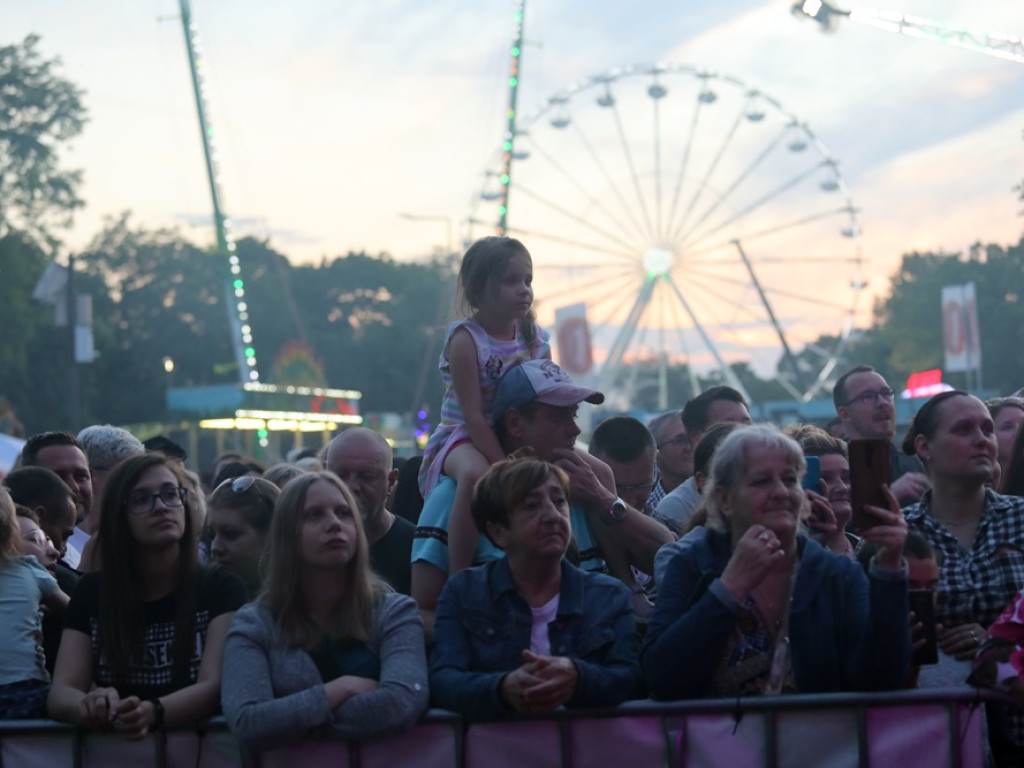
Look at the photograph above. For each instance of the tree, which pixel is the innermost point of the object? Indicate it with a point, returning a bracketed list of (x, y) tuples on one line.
[(907, 335), (39, 111), (155, 295), (31, 346)]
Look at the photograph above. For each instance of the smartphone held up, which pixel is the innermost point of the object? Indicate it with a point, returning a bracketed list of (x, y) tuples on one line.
[(870, 471)]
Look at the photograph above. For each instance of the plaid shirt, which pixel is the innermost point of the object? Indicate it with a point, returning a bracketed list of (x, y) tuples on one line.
[(651, 507), (658, 493), (976, 585)]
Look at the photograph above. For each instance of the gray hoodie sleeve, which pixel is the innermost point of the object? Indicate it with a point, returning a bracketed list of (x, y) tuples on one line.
[(257, 660), (254, 714), (402, 695)]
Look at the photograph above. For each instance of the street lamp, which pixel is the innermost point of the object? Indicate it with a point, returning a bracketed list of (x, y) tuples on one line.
[(169, 370), (447, 223)]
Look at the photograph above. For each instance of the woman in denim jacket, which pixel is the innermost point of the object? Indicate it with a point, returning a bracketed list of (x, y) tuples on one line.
[(531, 632)]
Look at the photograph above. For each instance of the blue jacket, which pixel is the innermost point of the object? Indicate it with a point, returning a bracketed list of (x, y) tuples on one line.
[(847, 632), (482, 626)]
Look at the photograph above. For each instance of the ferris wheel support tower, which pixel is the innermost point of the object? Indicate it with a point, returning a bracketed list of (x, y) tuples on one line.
[(999, 46)]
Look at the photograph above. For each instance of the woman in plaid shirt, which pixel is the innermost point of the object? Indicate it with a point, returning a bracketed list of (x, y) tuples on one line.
[(979, 532)]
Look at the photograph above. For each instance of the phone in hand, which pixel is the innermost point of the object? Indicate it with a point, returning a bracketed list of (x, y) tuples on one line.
[(812, 477), (869, 471), (922, 603)]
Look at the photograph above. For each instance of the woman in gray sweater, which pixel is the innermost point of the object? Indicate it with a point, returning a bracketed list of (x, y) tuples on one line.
[(327, 647)]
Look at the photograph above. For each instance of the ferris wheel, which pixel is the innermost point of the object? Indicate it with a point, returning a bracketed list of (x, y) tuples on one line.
[(697, 219)]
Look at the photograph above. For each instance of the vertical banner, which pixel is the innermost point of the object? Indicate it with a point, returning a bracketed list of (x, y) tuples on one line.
[(572, 337), (960, 337)]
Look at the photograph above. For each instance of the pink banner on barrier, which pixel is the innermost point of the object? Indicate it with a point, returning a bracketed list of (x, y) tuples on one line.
[(717, 740), (830, 743), (513, 745), (922, 733), (617, 741), (899, 736)]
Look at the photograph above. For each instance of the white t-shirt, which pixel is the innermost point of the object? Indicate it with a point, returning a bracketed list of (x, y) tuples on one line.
[(539, 641), (76, 545)]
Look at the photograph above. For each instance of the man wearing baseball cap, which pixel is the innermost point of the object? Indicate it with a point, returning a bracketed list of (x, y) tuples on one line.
[(535, 407)]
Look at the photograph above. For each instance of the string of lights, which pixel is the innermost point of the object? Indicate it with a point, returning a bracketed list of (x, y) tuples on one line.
[(510, 130), (238, 308)]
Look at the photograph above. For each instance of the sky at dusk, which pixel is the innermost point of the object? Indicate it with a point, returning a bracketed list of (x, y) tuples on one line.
[(335, 118)]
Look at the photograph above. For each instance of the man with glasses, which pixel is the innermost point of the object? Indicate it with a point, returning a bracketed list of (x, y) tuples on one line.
[(866, 405), (674, 456), (716, 405), (628, 448)]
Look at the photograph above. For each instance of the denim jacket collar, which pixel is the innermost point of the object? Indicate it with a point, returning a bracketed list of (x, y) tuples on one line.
[(570, 597)]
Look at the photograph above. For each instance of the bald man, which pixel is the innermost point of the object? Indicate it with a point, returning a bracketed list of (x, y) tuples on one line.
[(362, 459)]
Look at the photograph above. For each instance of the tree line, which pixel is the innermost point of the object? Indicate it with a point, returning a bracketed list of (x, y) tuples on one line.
[(372, 321)]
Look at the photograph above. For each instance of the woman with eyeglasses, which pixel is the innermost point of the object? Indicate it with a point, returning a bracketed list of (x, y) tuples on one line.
[(144, 635), (238, 516)]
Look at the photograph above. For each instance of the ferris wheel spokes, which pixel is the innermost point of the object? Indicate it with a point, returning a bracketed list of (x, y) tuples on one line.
[(584, 221), (518, 231), (612, 281), (690, 237), (690, 253), (613, 362), (704, 183), (744, 174), (727, 372), (590, 198), (684, 164), (628, 154), (814, 300)]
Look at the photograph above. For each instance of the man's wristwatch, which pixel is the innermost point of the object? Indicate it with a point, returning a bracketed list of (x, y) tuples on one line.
[(617, 511)]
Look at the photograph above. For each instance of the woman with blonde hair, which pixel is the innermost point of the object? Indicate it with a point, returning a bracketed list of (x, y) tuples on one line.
[(327, 646)]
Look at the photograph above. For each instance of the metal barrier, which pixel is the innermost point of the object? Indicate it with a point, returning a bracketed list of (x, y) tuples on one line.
[(932, 728)]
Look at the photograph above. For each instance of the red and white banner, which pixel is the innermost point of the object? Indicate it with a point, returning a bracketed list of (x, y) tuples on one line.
[(960, 338), (572, 340)]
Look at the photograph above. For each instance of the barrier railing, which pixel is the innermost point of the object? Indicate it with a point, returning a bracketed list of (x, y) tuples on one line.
[(931, 728)]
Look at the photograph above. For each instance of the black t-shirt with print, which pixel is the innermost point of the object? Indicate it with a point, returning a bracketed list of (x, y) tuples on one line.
[(150, 674)]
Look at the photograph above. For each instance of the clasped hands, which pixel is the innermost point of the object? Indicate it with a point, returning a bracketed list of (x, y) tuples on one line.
[(103, 709), (542, 684)]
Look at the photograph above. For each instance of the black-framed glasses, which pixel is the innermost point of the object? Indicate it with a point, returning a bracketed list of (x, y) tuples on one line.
[(143, 502), (871, 396), (683, 440)]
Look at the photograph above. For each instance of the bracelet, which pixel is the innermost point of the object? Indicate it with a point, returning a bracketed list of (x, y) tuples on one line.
[(158, 713)]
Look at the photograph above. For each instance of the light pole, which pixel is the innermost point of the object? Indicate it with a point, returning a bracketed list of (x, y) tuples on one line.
[(444, 302), (447, 223)]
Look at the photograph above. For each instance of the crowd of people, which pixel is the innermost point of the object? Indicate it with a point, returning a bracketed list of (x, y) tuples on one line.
[(685, 558)]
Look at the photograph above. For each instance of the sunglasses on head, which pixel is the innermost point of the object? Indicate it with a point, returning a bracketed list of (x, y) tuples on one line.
[(238, 484)]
